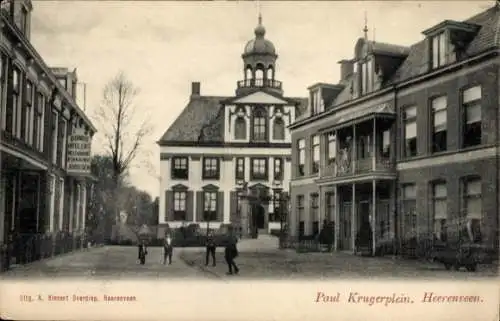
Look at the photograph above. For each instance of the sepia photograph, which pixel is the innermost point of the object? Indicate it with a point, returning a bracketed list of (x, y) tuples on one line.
[(231, 141)]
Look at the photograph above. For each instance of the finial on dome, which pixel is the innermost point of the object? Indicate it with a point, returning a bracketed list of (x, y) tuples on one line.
[(260, 31), (365, 29)]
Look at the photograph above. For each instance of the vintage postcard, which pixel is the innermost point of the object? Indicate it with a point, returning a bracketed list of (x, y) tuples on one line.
[(249, 160)]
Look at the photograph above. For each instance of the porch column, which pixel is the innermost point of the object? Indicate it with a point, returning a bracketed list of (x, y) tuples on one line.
[(336, 152), (71, 203), (374, 150), (336, 218), (353, 219), (374, 215), (354, 149), (84, 207), (393, 218), (2, 209)]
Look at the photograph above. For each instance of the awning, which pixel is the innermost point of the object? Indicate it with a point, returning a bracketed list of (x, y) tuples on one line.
[(352, 115)]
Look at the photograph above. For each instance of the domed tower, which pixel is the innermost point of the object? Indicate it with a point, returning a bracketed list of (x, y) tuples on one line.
[(259, 58)]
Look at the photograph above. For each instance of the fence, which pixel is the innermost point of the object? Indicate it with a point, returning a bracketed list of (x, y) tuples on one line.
[(30, 247)]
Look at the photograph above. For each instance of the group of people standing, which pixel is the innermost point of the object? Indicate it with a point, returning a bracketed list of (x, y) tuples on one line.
[(230, 252)]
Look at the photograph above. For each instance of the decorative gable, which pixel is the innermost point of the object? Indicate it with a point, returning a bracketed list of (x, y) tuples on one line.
[(210, 187), (180, 187), (260, 97)]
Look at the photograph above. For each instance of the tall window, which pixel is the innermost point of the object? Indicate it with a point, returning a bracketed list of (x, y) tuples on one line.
[(60, 140), (28, 108), (315, 154), (317, 102), (64, 140), (300, 214), (240, 128), (439, 129), (332, 148), (240, 168), (180, 168), (472, 121), (301, 145), (259, 125), (259, 169), (278, 129), (180, 206), (54, 124), (409, 210), (13, 110), (315, 212), (472, 208), (367, 76), (61, 202), (278, 169), (52, 190), (277, 216), (439, 210), (210, 206), (3, 85), (410, 131), (330, 206), (24, 20), (386, 144), (211, 168), (38, 111), (442, 50)]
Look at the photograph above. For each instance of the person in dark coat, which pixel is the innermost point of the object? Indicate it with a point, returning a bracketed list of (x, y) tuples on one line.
[(230, 253), (143, 251), (168, 249), (210, 249)]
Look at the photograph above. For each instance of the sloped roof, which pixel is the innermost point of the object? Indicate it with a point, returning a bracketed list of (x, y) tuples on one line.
[(202, 120), (199, 113)]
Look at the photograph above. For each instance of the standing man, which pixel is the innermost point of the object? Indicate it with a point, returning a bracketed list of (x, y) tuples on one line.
[(210, 251), (167, 249), (230, 253), (143, 251)]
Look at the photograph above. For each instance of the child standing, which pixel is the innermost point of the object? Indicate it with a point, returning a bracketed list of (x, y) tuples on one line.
[(167, 249)]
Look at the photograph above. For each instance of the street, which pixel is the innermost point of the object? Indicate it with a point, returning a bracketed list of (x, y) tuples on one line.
[(258, 259)]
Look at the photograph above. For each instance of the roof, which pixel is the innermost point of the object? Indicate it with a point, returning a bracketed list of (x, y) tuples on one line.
[(202, 120), (417, 60), (200, 112)]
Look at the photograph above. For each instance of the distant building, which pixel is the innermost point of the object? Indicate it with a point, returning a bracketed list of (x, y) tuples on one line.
[(218, 144), (43, 183), (406, 145)]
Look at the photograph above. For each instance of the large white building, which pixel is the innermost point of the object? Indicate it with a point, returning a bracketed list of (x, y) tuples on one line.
[(218, 144)]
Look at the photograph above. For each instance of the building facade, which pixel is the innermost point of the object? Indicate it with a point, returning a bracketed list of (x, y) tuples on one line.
[(405, 148), (220, 144), (42, 192)]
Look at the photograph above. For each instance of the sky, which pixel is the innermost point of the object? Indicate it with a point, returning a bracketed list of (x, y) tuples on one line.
[(163, 46)]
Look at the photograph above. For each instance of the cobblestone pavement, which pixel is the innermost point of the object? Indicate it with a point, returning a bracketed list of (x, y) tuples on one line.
[(267, 261), (115, 262)]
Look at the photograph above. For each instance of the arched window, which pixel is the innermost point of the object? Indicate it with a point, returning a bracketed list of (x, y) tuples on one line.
[(259, 74), (270, 72), (278, 129), (259, 124), (248, 73), (240, 128)]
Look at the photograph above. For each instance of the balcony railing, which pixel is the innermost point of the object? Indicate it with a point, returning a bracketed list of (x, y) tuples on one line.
[(358, 166), (260, 83)]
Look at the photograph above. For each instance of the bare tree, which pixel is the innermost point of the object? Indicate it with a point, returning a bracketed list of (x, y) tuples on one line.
[(121, 128)]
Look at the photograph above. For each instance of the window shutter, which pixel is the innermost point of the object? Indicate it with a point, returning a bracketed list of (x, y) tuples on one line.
[(220, 207), (189, 206), (199, 206), (169, 206), (233, 207)]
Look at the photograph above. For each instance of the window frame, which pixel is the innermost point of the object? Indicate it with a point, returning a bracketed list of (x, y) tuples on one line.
[(465, 105), (261, 162), (177, 170), (240, 128), (259, 125), (278, 169), (466, 198), (240, 168), (54, 134), (301, 154), (210, 198), (315, 153), (441, 50), (409, 203), (408, 120), (209, 172), (180, 198), (435, 134), (439, 223), (331, 140), (281, 128)]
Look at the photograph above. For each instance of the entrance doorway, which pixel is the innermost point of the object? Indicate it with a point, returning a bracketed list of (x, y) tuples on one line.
[(28, 213), (344, 239), (259, 219)]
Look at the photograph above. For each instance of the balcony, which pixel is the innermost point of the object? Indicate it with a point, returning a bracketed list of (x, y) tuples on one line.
[(247, 84), (369, 165)]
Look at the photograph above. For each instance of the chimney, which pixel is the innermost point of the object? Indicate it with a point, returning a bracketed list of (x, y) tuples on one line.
[(346, 69), (195, 89)]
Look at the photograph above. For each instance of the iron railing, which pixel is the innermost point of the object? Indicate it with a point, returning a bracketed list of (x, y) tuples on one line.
[(259, 82), (358, 166)]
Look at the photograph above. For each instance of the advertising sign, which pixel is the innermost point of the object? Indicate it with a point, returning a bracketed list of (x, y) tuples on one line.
[(79, 157)]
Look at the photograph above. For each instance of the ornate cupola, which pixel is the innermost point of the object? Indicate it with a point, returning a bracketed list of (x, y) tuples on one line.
[(259, 58)]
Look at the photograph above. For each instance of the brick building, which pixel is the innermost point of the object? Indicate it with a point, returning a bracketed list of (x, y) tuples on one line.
[(218, 144), (42, 191), (406, 146)]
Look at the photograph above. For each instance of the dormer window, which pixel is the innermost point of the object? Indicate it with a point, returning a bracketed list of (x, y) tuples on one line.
[(317, 103), (442, 50), (367, 76)]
